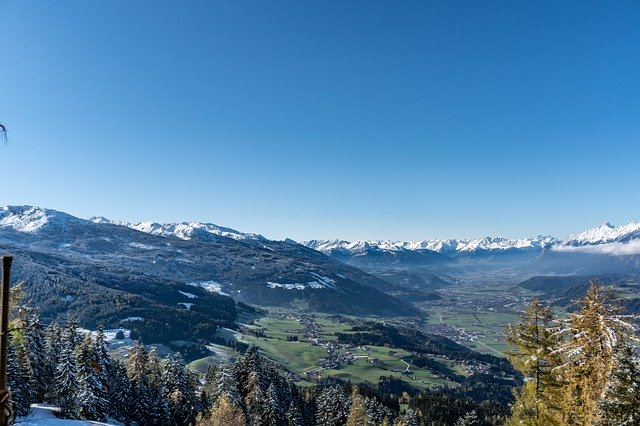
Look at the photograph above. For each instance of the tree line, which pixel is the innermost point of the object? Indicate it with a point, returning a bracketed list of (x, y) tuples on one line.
[(579, 370)]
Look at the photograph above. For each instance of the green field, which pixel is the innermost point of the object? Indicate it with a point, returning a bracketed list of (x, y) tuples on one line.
[(301, 357)]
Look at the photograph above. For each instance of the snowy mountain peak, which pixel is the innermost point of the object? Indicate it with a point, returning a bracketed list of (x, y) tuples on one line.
[(448, 246), (605, 233), (183, 230), (30, 219)]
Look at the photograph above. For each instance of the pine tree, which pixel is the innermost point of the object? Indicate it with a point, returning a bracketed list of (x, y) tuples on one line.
[(332, 407), (159, 405), (65, 389), (273, 415), (469, 419), (375, 412), (92, 402), (254, 400), (19, 382), (180, 391), (101, 362), (294, 416), (53, 349), (159, 409), (120, 393), (221, 380), (621, 402), (409, 418), (36, 350), (536, 357), (143, 401)]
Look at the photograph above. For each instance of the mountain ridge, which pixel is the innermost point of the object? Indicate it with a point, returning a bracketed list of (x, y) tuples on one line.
[(250, 268)]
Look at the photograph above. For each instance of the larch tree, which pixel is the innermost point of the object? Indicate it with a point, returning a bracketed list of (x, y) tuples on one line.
[(536, 357), (592, 337), (357, 409), (225, 413)]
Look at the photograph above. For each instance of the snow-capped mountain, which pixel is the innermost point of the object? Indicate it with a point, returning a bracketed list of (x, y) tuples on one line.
[(604, 234), (183, 230), (450, 247), (30, 219), (534, 253)]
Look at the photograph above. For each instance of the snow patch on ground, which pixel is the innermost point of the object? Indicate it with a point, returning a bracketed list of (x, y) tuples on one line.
[(44, 414), (286, 286), (186, 305), (132, 319), (319, 282), (189, 295), (143, 246), (110, 336), (210, 286)]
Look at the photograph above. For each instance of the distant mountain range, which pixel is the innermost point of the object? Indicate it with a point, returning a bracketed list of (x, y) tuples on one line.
[(604, 239)]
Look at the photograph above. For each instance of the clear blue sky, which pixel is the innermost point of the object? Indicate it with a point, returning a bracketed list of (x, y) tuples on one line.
[(320, 119)]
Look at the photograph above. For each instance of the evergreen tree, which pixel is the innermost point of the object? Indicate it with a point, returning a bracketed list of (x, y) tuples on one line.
[(153, 370), (65, 388), (620, 404), (36, 350), (53, 349), (469, 419), (221, 380), (409, 418), (294, 416), (159, 409), (254, 400), (180, 391), (101, 362), (143, 401), (92, 402), (19, 382), (332, 407), (375, 412), (71, 328), (273, 415), (120, 393)]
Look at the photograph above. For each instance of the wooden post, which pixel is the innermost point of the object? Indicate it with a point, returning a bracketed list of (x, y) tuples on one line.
[(5, 396)]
